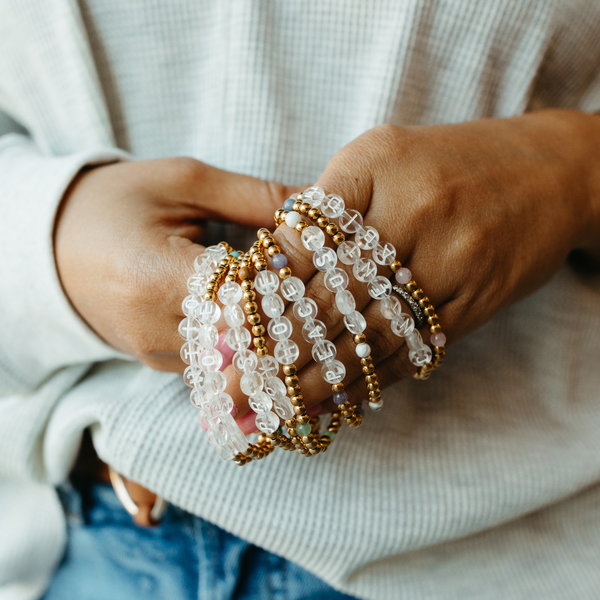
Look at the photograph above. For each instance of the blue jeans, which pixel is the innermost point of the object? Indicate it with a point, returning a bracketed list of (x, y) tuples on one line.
[(184, 558)]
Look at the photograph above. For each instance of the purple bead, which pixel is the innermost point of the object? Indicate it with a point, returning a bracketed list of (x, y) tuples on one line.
[(340, 397), (279, 261), (288, 205)]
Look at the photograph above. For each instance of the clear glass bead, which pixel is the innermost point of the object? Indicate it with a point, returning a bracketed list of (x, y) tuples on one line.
[(348, 252), (210, 359), (351, 221), (220, 440), (260, 402), (208, 312), (379, 288), (292, 288), (234, 315), (280, 328), (268, 367), (216, 252), (364, 270), (196, 283), (230, 293), (214, 382), (414, 340), (238, 338), (283, 407), (244, 361), (188, 328), (421, 356), (390, 307), (189, 305), (402, 325), (190, 353), (304, 309), (312, 238), (199, 398), (324, 351), (336, 280), (333, 206), (355, 322), (251, 383), (205, 264), (324, 259), (275, 387), (267, 422), (266, 282), (193, 376), (208, 336), (333, 371), (272, 305), (313, 195), (367, 238), (286, 352), (238, 439), (314, 330), (345, 302), (384, 253)]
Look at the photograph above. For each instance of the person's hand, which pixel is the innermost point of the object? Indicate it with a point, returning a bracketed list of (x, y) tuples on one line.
[(482, 213), (126, 239)]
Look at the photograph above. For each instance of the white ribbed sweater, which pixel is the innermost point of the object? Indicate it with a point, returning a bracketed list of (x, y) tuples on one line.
[(480, 483)]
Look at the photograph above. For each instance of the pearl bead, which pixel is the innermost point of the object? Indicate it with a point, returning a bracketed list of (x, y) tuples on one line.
[(363, 350), (376, 406), (292, 219), (403, 276)]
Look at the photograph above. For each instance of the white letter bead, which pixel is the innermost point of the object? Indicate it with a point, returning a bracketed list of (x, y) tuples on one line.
[(283, 407), (351, 221), (286, 352), (348, 252), (196, 283), (304, 309), (292, 288), (189, 305), (313, 331), (238, 338), (292, 219), (216, 253), (266, 282), (379, 288), (214, 383), (312, 238), (272, 305), (367, 238), (188, 328), (220, 440), (333, 371), (280, 328), (345, 302), (230, 292), (260, 402), (402, 325), (313, 195), (190, 353), (267, 422), (268, 367), (363, 350), (208, 312), (384, 253), (421, 356), (355, 322), (324, 259), (208, 336), (251, 383), (336, 280), (234, 315), (210, 359), (275, 387), (244, 361), (364, 270), (332, 206), (390, 307), (324, 351)]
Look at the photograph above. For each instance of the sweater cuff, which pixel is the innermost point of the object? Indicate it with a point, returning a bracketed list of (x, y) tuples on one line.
[(41, 332)]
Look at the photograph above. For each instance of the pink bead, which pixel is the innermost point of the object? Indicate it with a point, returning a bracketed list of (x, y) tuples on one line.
[(438, 339), (403, 275), (203, 424)]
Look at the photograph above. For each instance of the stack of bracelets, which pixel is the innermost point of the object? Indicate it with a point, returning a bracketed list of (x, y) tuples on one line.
[(231, 277)]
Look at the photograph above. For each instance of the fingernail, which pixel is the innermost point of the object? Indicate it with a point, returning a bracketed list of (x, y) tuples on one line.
[(226, 352), (314, 410), (247, 424)]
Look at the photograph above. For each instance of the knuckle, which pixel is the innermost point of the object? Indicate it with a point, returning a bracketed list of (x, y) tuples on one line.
[(275, 192), (184, 170), (379, 336)]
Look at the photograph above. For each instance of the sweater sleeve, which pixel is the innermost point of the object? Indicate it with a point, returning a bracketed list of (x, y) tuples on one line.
[(39, 330)]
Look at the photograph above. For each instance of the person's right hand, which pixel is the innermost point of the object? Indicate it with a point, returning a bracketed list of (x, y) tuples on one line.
[(126, 238)]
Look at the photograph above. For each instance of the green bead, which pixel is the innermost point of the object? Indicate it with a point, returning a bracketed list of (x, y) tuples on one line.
[(303, 429), (330, 434)]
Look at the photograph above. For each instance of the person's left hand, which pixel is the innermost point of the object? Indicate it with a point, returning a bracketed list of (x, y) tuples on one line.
[(482, 213)]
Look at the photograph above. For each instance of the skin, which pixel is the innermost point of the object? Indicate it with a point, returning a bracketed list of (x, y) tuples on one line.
[(483, 213)]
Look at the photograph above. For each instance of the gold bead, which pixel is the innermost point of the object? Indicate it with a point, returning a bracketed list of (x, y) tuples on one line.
[(279, 216), (250, 308), (412, 286), (268, 243), (229, 278), (263, 351), (208, 296), (297, 400), (261, 266), (418, 294), (258, 330), (338, 387), (371, 378), (429, 311), (314, 214), (290, 423), (247, 284), (435, 329), (366, 362), (433, 320), (360, 338), (260, 341), (300, 410), (373, 387), (322, 222), (285, 272), (304, 208), (254, 319), (290, 369), (301, 226), (273, 250), (339, 238), (368, 370), (331, 229), (395, 266), (424, 302), (292, 380), (249, 296), (296, 206), (211, 287), (294, 390), (303, 419), (262, 233)]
